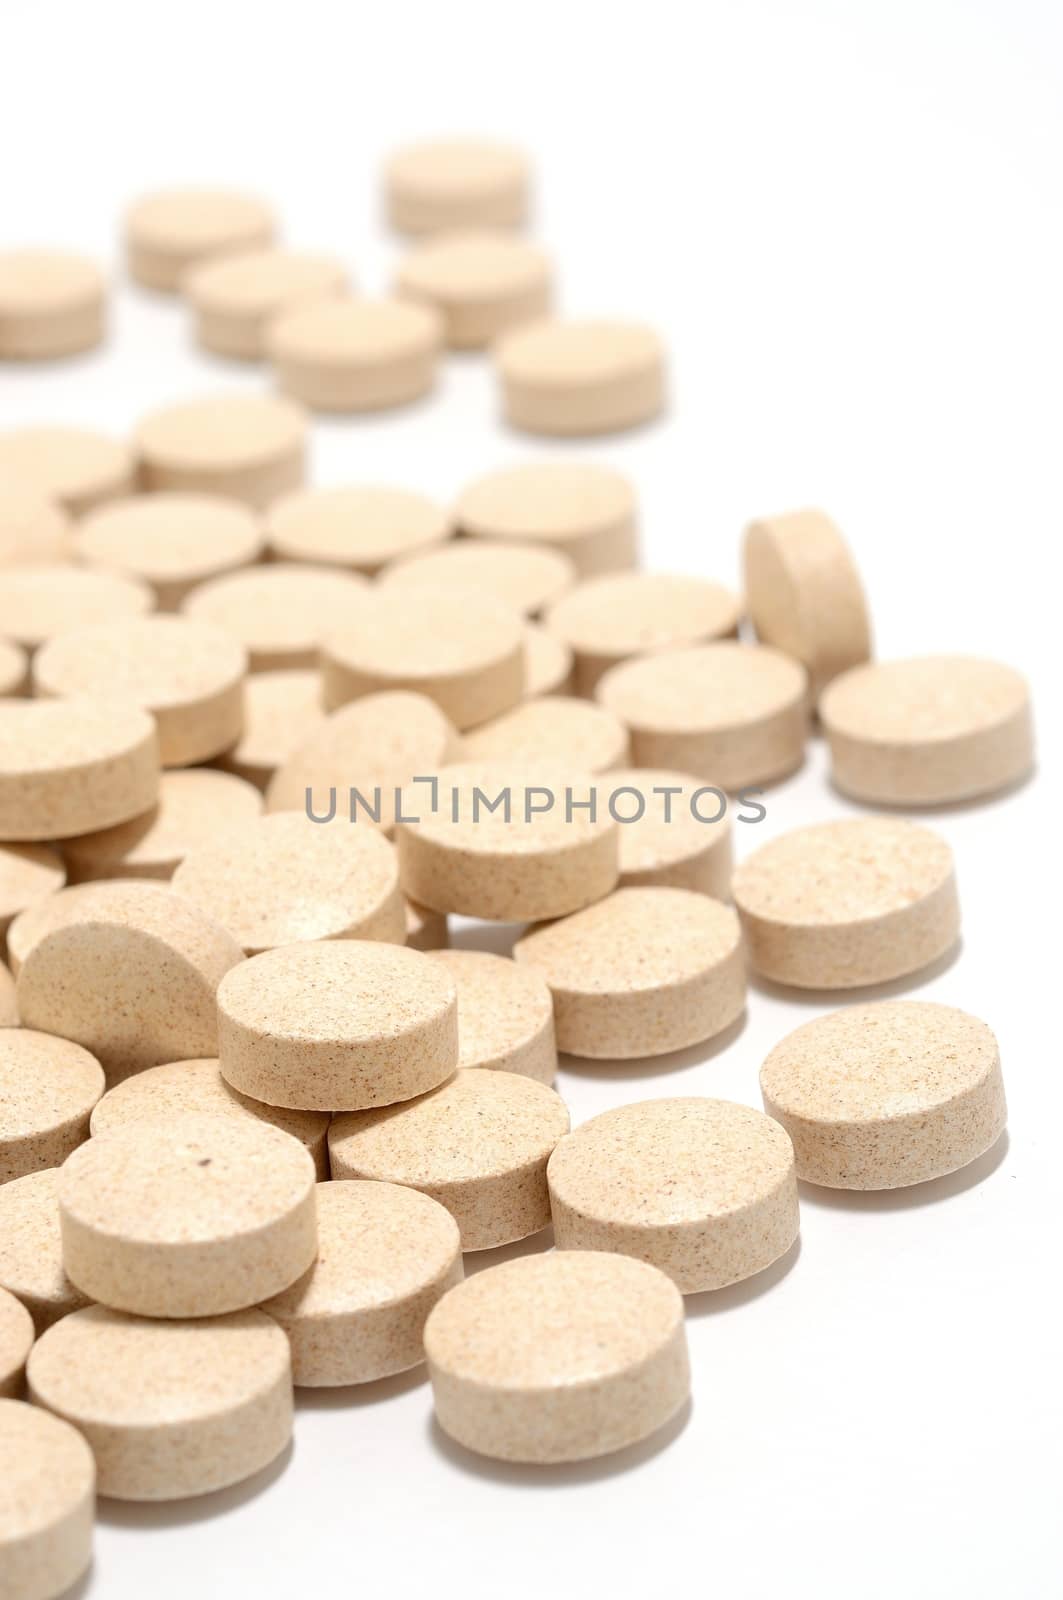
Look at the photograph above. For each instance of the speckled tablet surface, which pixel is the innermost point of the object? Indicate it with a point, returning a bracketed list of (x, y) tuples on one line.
[(16, 1338), (281, 612), (505, 1015), (75, 466), (567, 377), (171, 542), (555, 730), (68, 766), (234, 299), (55, 911), (641, 972), (676, 832), (881, 1096), (478, 1144), (356, 355), (526, 577), (28, 872), (52, 303), (49, 1499), (281, 710), (248, 446), (193, 807), (169, 1409), (386, 1255), (40, 603), (481, 283), (34, 528), (362, 526), (842, 904), (442, 184), (587, 512), (48, 1087), (558, 1357), (190, 1217), (173, 230), (337, 1025), (31, 1248)]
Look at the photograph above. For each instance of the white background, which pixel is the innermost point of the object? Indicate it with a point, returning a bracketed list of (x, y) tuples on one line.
[(846, 221)]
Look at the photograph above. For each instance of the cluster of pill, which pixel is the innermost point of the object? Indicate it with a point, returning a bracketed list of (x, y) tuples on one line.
[(259, 740)]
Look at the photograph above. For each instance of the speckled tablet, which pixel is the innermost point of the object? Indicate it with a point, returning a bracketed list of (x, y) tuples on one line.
[(28, 872), (356, 355), (251, 447), (40, 603), (68, 766), (526, 577), (31, 1248), (52, 303), (173, 230), (46, 1514), (481, 283), (674, 831), (584, 511), (16, 1339), (235, 299), (505, 1015), (34, 528), (79, 468), (361, 526), (281, 710), (444, 184), (48, 1087), (171, 542), (556, 730), (568, 377), (282, 612), (193, 807)]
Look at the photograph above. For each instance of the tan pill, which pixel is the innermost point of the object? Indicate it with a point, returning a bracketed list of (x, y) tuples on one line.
[(46, 1514), (281, 709), (462, 649), (78, 468), (16, 1339), (386, 1256), (234, 299), (179, 1087), (509, 844), (9, 999), (38, 604), (191, 1217), (445, 184), (587, 513), (69, 766), (340, 1025), (52, 303), (171, 542), (505, 1015), (640, 973), (189, 675), (547, 663), (805, 595), (280, 613), (847, 903), (132, 978), (193, 808), (703, 1189), (28, 872), (479, 1145), (364, 526), (48, 1087), (560, 378), (169, 1409), (250, 447), (373, 746), (881, 1096), (674, 832), (285, 878), (610, 619), (481, 283), (31, 1248), (356, 355), (171, 231), (34, 528), (557, 731), (733, 714), (55, 911), (558, 1357), (425, 930), (928, 731), (523, 577)]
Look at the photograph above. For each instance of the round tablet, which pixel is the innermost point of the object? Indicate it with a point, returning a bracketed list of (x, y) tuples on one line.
[(9, 998), (881, 1096), (523, 576), (28, 872), (505, 1015), (68, 766), (356, 355), (337, 1025), (251, 447), (357, 760), (193, 808), (75, 466), (189, 675), (847, 903), (131, 977), (733, 714), (640, 973), (674, 832), (557, 730), (170, 1410), (547, 663), (281, 612), (16, 1339), (234, 299), (928, 731), (52, 303), (284, 878), (607, 620), (586, 512), (703, 1189), (34, 528), (48, 1087), (49, 1501), (482, 284), (175, 229), (478, 1144), (281, 709), (509, 844), (363, 527), (190, 1217), (558, 1357), (580, 377), (171, 542), (805, 594), (40, 603), (179, 1087), (445, 184), (31, 1248), (386, 1255), (425, 930), (463, 649)]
